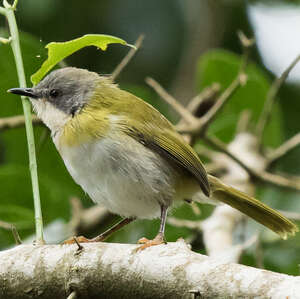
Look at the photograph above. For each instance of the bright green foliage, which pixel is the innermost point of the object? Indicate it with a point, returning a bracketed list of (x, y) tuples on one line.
[(59, 51)]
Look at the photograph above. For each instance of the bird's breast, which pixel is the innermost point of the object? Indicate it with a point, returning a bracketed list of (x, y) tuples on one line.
[(121, 174)]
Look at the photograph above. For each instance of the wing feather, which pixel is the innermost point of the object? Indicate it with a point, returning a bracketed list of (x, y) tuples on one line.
[(171, 146)]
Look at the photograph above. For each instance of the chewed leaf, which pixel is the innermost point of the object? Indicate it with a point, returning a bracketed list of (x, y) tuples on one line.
[(59, 51)]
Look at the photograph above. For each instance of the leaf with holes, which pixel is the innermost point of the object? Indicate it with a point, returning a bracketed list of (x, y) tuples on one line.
[(57, 51)]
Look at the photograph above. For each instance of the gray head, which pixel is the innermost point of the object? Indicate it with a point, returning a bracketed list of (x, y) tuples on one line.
[(67, 89), (61, 95)]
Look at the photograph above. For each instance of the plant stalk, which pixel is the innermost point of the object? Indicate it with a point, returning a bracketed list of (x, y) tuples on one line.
[(15, 44)]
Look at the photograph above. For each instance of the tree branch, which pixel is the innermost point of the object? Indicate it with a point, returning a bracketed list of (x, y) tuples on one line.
[(263, 176), (270, 100), (103, 270), (181, 110), (17, 122), (128, 57), (282, 150)]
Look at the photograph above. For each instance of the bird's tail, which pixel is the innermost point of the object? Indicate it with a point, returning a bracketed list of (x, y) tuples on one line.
[(252, 207)]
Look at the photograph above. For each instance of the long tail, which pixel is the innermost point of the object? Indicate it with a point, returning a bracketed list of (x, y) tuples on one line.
[(253, 208)]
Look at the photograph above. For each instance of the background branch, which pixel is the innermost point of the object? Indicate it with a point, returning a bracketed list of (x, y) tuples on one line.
[(180, 109), (128, 57), (270, 100), (17, 122), (263, 176), (284, 149)]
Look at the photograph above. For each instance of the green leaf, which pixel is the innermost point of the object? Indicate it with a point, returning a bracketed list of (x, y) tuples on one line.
[(59, 51)]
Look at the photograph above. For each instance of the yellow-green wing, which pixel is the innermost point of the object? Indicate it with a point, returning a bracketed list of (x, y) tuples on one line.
[(171, 146), (149, 127)]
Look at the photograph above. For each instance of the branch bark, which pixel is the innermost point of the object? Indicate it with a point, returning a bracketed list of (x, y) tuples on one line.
[(103, 270)]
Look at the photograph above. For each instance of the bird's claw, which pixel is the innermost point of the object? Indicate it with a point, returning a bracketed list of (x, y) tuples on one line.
[(158, 240)]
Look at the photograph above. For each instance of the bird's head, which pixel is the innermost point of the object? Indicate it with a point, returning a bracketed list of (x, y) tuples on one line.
[(61, 95)]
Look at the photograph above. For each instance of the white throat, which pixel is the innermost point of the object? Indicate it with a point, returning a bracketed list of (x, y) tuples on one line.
[(53, 118)]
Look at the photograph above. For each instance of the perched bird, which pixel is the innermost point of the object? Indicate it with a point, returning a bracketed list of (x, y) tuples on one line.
[(126, 155)]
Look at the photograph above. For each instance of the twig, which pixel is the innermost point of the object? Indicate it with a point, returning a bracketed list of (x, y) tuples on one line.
[(78, 244), (263, 176), (271, 96), (128, 57), (240, 80), (73, 295), (222, 147), (201, 125), (16, 235), (14, 6), (17, 122), (4, 40), (182, 111), (15, 44), (195, 208), (282, 150), (209, 117), (206, 93), (243, 122), (5, 225), (279, 180), (246, 43), (197, 126), (9, 226)]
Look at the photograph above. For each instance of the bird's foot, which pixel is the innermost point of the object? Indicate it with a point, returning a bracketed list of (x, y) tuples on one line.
[(80, 239), (158, 240)]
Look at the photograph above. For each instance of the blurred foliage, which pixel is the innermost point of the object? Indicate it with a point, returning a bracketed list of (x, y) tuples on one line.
[(222, 66), (165, 26)]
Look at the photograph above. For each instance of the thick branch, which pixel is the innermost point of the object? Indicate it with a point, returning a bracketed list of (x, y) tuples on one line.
[(105, 270)]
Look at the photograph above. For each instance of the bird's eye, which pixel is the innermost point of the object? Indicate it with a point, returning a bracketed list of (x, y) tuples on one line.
[(54, 93)]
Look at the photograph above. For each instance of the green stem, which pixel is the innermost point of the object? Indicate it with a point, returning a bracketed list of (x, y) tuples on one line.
[(15, 44)]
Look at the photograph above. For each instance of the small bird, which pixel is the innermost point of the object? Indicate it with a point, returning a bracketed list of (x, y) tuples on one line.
[(127, 156)]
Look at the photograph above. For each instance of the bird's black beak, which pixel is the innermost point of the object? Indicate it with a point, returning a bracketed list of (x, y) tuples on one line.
[(28, 92)]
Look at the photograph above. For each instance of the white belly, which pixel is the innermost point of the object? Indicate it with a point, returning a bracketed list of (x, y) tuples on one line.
[(124, 176)]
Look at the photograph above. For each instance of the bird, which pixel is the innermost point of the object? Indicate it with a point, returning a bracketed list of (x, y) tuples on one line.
[(127, 156)]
